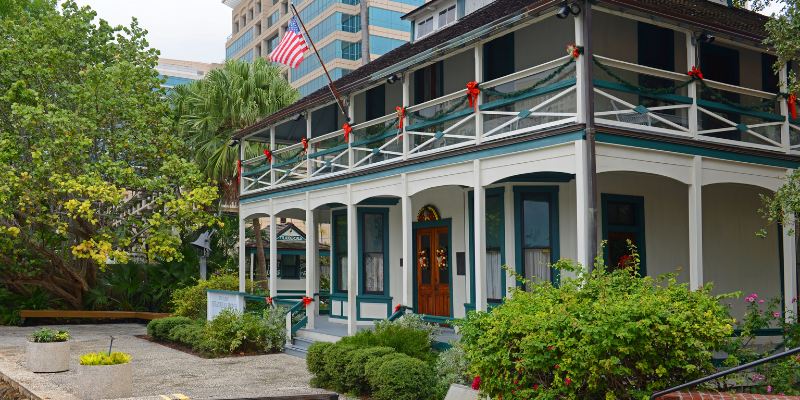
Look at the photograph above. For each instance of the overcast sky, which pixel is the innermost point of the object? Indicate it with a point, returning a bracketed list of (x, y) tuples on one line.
[(193, 30)]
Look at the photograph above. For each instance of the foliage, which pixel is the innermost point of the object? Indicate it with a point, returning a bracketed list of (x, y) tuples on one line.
[(354, 375), (315, 362), (232, 332), (451, 367), (85, 133), (160, 329), (400, 377), (405, 336), (189, 335), (114, 358), (11, 303), (336, 359), (605, 334), (47, 335), (191, 301)]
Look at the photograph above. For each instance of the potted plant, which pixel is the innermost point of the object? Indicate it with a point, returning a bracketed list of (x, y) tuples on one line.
[(105, 375), (48, 351)]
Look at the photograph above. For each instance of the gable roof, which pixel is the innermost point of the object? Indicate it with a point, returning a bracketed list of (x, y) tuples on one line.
[(704, 14)]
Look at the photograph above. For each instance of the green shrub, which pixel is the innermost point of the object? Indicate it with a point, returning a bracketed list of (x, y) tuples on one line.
[(190, 335), (336, 359), (315, 362), (605, 334), (232, 332), (355, 373), (105, 358), (451, 367), (403, 339), (400, 377), (191, 300), (47, 335), (159, 329)]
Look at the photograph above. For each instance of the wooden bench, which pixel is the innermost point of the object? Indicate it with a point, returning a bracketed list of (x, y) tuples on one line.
[(148, 316)]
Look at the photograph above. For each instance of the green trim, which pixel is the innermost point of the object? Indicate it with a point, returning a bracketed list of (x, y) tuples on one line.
[(555, 245), (622, 88), (334, 259), (374, 139), (639, 230), (693, 150), (492, 192), (361, 212), (533, 93), (257, 171), (289, 162), (490, 152), (444, 222), (736, 110), (440, 120), (325, 152), (290, 252), (380, 201)]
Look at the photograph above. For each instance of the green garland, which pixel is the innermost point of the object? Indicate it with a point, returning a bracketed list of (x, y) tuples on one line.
[(766, 105), (456, 106), (281, 160), (392, 125), (556, 72)]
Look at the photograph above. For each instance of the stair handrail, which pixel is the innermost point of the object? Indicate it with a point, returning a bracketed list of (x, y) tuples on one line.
[(729, 371), (399, 311), (291, 327)]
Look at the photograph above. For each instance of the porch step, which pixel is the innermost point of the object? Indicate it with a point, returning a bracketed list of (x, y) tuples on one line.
[(316, 336), (304, 339)]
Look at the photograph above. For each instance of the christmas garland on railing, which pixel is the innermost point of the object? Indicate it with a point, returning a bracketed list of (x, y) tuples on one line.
[(695, 75), (439, 114), (392, 124), (556, 72), (293, 158)]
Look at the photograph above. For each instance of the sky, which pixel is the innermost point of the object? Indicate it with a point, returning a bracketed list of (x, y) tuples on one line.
[(193, 30)]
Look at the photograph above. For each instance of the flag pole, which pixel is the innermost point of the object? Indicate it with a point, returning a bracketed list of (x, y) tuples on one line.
[(331, 86)]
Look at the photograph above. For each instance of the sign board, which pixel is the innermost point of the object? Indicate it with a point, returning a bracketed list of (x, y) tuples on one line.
[(291, 235), (221, 300)]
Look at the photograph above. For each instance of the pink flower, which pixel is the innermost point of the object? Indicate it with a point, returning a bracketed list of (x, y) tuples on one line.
[(769, 388), (751, 298), (776, 314), (535, 386), (567, 381), (761, 301), (476, 383), (557, 366)]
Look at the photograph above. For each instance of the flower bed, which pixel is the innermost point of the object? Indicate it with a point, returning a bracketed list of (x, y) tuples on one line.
[(724, 396)]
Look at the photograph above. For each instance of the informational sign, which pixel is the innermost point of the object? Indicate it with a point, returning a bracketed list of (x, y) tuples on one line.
[(221, 300), (291, 235)]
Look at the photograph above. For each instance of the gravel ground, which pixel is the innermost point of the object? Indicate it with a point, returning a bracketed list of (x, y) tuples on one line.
[(158, 370)]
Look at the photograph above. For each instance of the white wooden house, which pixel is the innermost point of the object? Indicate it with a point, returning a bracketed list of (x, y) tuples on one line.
[(426, 214)]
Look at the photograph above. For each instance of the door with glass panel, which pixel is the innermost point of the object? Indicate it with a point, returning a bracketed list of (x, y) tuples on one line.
[(536, 235), (433, 271)]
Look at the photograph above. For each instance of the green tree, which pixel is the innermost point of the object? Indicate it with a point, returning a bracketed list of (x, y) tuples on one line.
[(209, 111), (85, 135)]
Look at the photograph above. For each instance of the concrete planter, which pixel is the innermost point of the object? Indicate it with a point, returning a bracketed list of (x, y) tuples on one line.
[(105, 381), (48, 357)]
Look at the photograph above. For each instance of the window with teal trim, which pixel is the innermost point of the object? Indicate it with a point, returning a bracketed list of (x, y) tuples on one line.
[(339, 251), (494, 246), (536, 235), (291, 266), (373, 247)]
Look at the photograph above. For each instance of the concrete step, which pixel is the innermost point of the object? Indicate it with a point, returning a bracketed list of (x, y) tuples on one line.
[(303, 343), (316, 336), (295, 351)]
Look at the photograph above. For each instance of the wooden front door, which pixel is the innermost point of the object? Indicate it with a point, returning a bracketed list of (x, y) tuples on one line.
[(433, 271)]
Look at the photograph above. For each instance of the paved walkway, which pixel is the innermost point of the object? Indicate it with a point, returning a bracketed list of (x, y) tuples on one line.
[(157, 370)]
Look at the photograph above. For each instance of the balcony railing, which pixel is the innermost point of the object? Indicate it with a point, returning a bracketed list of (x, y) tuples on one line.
[(626, 95)]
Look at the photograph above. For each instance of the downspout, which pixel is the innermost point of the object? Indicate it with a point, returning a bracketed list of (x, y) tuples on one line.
[(591, 145)]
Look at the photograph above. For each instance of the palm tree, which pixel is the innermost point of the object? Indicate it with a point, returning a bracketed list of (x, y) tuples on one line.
[(209, 111)]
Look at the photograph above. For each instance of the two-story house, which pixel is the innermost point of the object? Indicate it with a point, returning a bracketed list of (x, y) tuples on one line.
[(434, 186)]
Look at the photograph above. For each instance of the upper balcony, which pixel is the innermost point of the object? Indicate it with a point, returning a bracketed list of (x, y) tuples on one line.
[(529, 86)]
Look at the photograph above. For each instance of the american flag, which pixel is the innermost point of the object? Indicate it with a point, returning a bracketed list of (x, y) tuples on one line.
[(291, 48)]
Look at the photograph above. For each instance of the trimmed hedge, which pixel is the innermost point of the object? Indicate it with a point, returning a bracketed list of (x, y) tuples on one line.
[(403, 339), (400, 377), (315, 362), (159, 329), (355, 372)]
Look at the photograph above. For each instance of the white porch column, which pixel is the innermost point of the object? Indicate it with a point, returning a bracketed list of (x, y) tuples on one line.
[(510, 236), (786, 138), (691, 61), (352, 264), (479, 205), (468, 254), (580, 72), (696, 225), (311, 262), (408, 244), (242, 254), (790, 266), (582, 206), (479, 78), (273, 251), (406, 103), (252, 266)]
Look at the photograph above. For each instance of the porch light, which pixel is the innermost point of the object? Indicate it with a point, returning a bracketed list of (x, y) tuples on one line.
[(392, 79), (566, 9), (298, 116), (706, 37)]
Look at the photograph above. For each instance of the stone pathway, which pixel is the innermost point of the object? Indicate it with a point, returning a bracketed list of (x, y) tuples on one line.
[(157, 370)]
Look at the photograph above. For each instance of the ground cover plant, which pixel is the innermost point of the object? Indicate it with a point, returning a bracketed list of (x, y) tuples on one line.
[(102, 358), (47, 335)]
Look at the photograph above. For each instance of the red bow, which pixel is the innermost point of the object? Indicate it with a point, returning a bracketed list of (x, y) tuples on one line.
[(268, 155), (792, 102), (398, 307), (307, 301), (239, 170), (472, 94), (347, 129), (696, 73), (269, 300), (574, 51), (304, 141), (401, 115)]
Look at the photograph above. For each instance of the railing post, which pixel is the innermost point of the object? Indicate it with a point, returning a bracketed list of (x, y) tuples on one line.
[(479, 78), (580, 71), (786, 138), (789, 271), (311, 261), (273, 250), (272, 149), (691, 61), (289, 328), (242, 252), (406, 141), (351, 108), (309, 165)]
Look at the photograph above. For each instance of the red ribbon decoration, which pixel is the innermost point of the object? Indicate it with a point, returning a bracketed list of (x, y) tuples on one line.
[(695, 73), (304, 141), (398, 307), (269, 300), (574, 51), (401, 115), (792, 102), (472, 94), (268, 155), (307, 301), (347, 129)]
